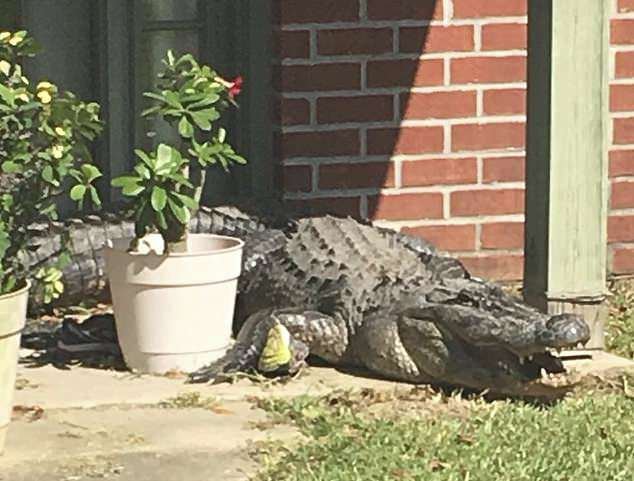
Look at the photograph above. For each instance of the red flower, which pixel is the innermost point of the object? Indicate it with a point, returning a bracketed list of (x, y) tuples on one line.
[(236, 87)]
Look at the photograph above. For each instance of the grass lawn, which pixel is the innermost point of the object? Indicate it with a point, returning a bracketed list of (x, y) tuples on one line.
[(426, 435)]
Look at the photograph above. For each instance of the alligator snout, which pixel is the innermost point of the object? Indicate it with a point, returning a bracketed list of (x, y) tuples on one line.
[(564, 330)]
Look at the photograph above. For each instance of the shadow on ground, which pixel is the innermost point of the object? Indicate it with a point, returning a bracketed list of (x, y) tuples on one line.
[(41, 337)]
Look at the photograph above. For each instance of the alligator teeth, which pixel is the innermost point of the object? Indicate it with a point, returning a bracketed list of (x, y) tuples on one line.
[(530, 358), (521, 360), (543, 373)]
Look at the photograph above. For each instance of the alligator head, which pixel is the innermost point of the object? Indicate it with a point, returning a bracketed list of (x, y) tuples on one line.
[(488, 339)]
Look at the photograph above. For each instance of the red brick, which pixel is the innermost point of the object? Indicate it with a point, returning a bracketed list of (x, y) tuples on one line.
[(439, 172), (622, 260), (503, 169), (329, 76), (315, 11), (621, 163), (339, 206), (505, 102), (500, 267), (355, 176), (429, 39), (404, 9), (622, 195), (292, 111), (621, 98), (354, 41), (624, 131), (621, 228), (443, 105), (319, 144), (504, 36), (489, 8), (487, 202), (488, 69), (446, 237), (367, 108), (487, 136), (622, 32), (405, 206), (625, 6), (406, 140), (405, 73), (502, 235), (296, 178), (292, 44), (624, 65)]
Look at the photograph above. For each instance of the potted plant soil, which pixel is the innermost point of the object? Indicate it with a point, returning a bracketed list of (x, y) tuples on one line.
[(43, 152), (173, 292)]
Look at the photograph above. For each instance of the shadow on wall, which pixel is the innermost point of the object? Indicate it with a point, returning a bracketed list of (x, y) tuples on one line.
[(344, 80)]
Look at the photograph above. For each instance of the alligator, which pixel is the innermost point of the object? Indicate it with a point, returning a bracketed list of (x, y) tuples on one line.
[(355, 296)]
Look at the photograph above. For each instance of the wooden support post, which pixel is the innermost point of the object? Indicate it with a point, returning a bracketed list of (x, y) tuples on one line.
[(566, 169)]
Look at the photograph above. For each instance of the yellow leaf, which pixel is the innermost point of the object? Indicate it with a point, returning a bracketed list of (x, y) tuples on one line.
[(44, 85), (60, 131), (57, 151), (44, 97), (5, 67), (15, 41), (4, 36)]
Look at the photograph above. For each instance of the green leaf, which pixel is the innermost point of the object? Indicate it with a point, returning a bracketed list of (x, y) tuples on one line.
[(8, 95), (180, 212), (124, 180), (172, 99), (150, 111), (77, 193), (47, 175), (90, 172), (148, 160), (160, 220), (185, 128), (204, 118), (10, 167), (187, 201), (94, 195), (142, 170), (209, 99), (163, 156), (159, 198), (132, 190)]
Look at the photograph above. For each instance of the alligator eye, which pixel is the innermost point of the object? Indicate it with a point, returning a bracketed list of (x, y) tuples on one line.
[(466, 299)]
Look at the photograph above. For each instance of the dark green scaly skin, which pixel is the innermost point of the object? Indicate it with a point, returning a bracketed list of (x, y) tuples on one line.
[(356, 295)]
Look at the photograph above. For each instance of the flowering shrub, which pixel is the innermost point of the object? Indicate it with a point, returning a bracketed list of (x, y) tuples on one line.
[(44, 134), (167, 183)]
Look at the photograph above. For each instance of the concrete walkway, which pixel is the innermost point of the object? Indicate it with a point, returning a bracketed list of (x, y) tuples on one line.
[(82, 424)]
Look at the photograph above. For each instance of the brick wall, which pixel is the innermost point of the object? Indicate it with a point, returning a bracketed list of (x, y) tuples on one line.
[(412, 112), (621, 220)]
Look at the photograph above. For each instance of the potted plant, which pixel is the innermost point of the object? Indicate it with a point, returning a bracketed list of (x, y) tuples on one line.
[(173, 292), (43, 153)]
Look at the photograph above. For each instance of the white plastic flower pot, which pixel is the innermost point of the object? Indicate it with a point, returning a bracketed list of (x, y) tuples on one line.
[(174, 311), (12, 319)]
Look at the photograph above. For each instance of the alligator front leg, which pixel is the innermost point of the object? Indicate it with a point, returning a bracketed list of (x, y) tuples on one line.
[(298, 331)]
